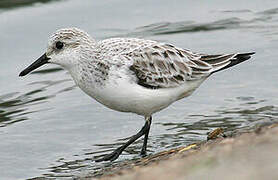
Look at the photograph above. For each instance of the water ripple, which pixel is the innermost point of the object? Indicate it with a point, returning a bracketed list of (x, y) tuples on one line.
[(262, 22), (189, 26), (14, 107)]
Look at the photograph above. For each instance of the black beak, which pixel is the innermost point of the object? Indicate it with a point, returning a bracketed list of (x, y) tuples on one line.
[(39, 62)]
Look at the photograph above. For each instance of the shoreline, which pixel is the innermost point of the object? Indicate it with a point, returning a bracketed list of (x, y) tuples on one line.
[(242, 151)]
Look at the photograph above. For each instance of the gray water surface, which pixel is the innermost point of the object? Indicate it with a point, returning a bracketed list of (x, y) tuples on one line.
[(49, 128)]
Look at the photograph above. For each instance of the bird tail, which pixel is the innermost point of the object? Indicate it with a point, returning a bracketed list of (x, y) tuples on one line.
[(221, 62)]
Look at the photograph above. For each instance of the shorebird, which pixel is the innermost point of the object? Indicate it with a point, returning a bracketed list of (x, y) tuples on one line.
[(132, 75)]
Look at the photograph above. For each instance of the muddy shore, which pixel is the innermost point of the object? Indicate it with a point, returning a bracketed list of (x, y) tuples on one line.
[(251, 154)]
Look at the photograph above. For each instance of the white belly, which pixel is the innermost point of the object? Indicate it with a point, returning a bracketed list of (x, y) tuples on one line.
[(126, 96)]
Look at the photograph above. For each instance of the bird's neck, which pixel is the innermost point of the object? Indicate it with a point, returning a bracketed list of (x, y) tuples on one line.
[(90, 73)]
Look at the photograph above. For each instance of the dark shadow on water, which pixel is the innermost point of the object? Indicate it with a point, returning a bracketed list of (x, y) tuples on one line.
[(8, 4)]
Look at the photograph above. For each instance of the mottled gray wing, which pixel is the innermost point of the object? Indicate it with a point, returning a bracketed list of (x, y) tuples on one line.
[(163, 65)]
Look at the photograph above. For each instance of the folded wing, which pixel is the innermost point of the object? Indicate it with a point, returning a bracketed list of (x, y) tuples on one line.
[(164, 66)]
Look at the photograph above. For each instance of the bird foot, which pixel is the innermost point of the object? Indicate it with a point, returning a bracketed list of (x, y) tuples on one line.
[(143, 153), (110, 157)]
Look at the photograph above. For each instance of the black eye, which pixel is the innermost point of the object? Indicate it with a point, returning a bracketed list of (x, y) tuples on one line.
[(59, 45)]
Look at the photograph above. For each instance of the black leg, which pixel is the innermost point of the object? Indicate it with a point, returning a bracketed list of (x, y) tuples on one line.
[(115, 154), (144, 148)]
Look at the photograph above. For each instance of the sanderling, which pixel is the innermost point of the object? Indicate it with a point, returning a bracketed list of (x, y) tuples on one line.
[(130, 74)]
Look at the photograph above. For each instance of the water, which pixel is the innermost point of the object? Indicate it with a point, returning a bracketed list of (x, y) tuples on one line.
[(49, 128)]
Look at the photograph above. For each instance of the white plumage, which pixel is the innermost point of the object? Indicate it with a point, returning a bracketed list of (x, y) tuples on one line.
[(130, 74)]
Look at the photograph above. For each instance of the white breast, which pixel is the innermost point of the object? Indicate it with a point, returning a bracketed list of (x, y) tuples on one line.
[(122, 93)]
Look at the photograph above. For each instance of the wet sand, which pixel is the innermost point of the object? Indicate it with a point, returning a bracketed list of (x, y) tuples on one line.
[(251, 154)]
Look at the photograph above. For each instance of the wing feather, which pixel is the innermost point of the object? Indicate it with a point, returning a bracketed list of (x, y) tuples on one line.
[(164, 66)]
